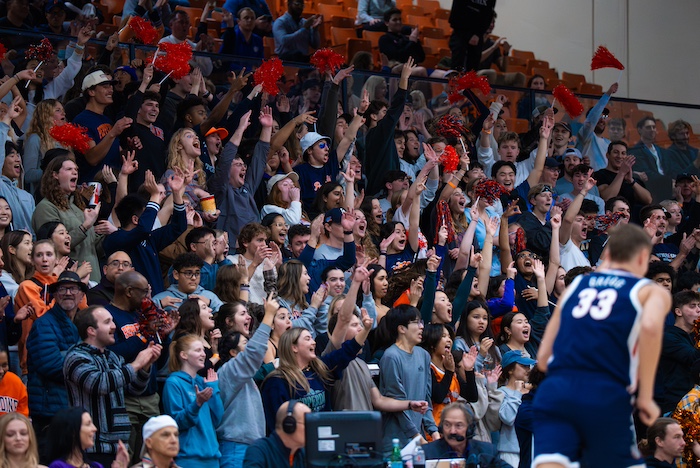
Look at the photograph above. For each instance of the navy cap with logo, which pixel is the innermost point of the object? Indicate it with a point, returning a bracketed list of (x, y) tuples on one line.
[(51, 4)]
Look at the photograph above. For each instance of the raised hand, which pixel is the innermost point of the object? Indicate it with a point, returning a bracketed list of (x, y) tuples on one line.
[(385, 243), (342, 74), (512, 210), (493, 376), (469, 359), (408, 68), (433, 263), (492, 226), (474, 211), (538, 268), (364, 102), (211, 376), (266, 119), (319, 296), (204, 395)]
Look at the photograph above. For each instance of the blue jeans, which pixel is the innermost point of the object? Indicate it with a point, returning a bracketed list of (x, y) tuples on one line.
[(232, 454)]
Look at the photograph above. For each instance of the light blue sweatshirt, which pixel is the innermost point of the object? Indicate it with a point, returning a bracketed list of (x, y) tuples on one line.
[(198, 444)]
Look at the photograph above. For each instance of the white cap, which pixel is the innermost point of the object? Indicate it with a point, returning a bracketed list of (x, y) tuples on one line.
[(157, 423), (95, 78), (278, 177), (310, 139)]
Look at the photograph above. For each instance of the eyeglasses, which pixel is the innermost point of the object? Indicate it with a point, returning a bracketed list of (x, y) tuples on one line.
[(117, 264), (238, 164), (528, 255), (190, 274), (417, 322), (68, 290), (323, 145)]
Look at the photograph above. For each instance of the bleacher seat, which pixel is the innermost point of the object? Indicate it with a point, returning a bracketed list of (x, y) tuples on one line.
[(525, 54), (330, 10), (420, 21), (573, 80)]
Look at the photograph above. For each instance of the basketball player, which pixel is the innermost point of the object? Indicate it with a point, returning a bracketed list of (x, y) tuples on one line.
[(602, 343)]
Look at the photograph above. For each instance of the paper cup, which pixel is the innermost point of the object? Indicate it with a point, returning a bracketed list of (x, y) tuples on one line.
[(208, 205)]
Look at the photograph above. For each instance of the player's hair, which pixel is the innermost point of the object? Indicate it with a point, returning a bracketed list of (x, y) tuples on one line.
[(626, 241), (683, 298), (657, 429)]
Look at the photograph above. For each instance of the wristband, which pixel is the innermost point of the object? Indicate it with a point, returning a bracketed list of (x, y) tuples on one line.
[(215, 356), (347, 233), (206, 95), (16, 78), (488, 132), (451, 184), (382, 253)]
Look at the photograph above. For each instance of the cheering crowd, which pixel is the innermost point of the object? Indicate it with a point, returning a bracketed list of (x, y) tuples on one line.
[(202, 254)]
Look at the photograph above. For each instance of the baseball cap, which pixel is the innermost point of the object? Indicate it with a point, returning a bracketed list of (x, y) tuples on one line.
[(333, 216), (278, 177), (310, 139), (68, 277), (51, 4), (516, 356), (539, 110), (95, 78), (223, 133), (573, 152), (566, 126), (551, 162), (126, 69), (684, 176)]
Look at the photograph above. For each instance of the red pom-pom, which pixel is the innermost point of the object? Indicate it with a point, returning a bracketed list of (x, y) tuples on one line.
[(71, 136), (444, 218), (42, 51), (268, 74), (174, 59), (469, 80), (570, 102), (449, 126), (153, 322), (327, 60), (143, 30), (489, 190), (449, 159), (3, 51), (603, 58)]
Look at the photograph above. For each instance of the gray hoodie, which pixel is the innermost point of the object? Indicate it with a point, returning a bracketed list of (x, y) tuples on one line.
[(242, 421)]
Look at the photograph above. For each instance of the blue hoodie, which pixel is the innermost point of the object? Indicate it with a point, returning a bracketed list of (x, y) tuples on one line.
[(198, 444)]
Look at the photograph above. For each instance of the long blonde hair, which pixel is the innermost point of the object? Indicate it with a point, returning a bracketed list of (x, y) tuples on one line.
[(289, 370), (42, 122), (31, 458), (177, 160)]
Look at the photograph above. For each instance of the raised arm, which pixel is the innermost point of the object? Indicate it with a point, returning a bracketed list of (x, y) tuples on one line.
[(283, 134), (506, 254), (467, 245), (554, 258), (414, 217), (572, 212), (541, 156), (219, 111), (487, 254)]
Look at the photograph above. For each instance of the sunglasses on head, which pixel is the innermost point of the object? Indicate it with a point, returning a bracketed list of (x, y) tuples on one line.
[(546, 188)]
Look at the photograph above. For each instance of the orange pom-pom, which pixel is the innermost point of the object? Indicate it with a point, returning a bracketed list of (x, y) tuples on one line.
[(570, 102), (327, 60), (268, 74), (603, 58), (174, 59), (72, 136), (143, 30)]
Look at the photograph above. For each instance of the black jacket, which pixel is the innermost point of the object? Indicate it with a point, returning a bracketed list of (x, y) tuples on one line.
[(677, 356), (270, 452)]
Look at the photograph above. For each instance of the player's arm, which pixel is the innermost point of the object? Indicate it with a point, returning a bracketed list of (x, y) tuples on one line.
[(656, 302), (550, 334)]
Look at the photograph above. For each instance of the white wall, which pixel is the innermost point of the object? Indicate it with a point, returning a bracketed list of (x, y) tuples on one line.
[(657, 41)]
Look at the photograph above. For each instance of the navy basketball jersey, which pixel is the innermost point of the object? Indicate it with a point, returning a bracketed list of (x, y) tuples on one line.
[(600, 321)]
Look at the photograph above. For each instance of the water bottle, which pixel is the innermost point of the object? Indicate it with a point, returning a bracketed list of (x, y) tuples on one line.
[(395, 457), (419, 457), (489, 363)]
